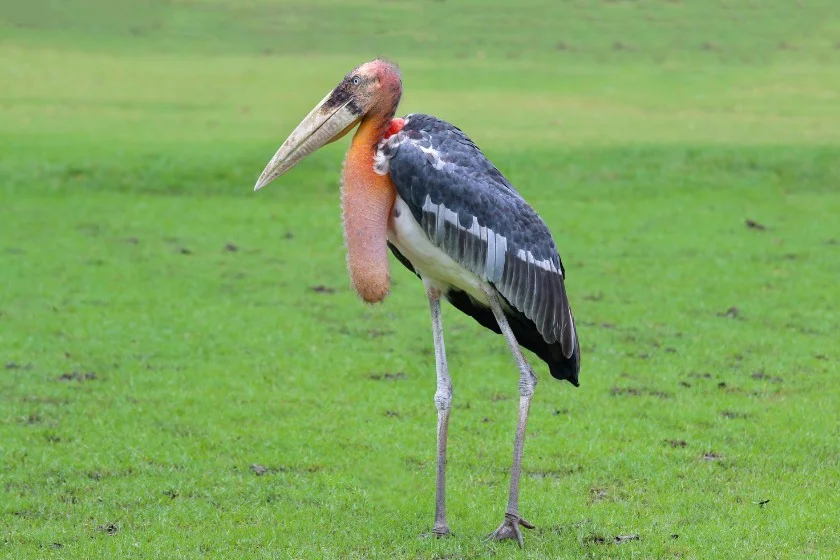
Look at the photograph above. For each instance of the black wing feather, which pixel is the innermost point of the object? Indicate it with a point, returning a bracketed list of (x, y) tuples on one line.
[(440, 173)]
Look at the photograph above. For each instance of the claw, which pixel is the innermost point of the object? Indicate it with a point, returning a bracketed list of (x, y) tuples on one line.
[(509, 529)]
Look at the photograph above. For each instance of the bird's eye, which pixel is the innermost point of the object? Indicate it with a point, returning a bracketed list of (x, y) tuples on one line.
[(356, 80)]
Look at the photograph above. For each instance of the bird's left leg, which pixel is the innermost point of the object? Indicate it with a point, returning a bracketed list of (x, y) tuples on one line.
[(443, 403), (509, 529)]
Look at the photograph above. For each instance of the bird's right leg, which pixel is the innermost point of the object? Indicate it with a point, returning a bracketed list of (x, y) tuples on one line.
[(509, 529), (443, 403)]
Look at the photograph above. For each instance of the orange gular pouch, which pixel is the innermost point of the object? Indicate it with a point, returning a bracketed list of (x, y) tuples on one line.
[(366, 202)]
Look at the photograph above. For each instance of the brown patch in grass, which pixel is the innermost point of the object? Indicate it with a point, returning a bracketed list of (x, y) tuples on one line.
[(388, 376), (108, 528), (77, 376), (675, 443), (731, 313), (639, 391), (761, 375), (619, 539), (752, 224), (321, 289)]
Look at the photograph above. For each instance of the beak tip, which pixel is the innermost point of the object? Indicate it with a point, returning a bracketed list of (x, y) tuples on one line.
[(261, 182)]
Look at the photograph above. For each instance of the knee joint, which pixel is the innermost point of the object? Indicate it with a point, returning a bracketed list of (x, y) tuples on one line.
[(443, 397), (527, 383)]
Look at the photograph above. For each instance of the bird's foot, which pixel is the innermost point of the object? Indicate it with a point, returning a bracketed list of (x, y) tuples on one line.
[(441, 531), (509, 529), (438, 532)]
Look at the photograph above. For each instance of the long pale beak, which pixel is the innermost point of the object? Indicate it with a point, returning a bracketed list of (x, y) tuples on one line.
[(324, 124)]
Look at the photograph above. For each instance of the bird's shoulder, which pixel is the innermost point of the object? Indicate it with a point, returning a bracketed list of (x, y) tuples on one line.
[(435, 165)]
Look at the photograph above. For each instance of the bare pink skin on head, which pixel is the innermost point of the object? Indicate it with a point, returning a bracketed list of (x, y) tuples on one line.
[(366, 197)]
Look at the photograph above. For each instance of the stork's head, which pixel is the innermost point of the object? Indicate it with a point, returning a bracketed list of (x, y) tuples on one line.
[(372, 89)]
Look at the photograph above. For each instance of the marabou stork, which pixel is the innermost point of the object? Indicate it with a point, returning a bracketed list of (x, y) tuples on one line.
[(421, 188)]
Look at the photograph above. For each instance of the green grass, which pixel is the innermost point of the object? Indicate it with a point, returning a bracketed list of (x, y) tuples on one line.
[(160, 334)]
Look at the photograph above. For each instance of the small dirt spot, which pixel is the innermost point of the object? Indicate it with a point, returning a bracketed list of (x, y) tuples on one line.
[(388, 376), (289, 235), (56, 545), (554, 473), (132, 240), (625, 538), (321, 289), (619, 46), (711, 456), (821, 357), (595, 539), (378, 333), (559, 411), (485, 420), (607, 326), (639, 391), (709, 46), (722, 385), (761, 375), (392, 414), (108, 528), (171, 493), (752, 224), (670, 350), (259, 470), (561, 46), (730, 414), (77, 376), (700, 375), (231, 248), (685, 384), (598, 494), (496, 397), (675, 443), (731, 313), (785, 46), (184, 251)]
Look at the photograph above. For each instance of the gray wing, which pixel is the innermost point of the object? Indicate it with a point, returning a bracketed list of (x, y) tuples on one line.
[(467, 208)]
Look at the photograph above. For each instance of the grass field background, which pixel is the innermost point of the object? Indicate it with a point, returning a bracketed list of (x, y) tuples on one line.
[(185, 371)]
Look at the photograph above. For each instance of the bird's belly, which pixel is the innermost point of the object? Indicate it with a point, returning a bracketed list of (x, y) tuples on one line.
[(431, 262)]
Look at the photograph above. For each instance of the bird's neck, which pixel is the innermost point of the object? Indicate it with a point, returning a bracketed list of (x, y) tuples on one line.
[(366, 202)]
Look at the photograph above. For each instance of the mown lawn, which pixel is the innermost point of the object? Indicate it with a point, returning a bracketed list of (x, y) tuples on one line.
[(185, 371)]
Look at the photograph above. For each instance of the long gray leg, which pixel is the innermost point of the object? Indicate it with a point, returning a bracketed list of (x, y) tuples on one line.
[(443, 403), (509, 529)]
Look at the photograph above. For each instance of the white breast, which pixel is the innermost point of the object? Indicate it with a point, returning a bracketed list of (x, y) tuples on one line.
[(434, 265)]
